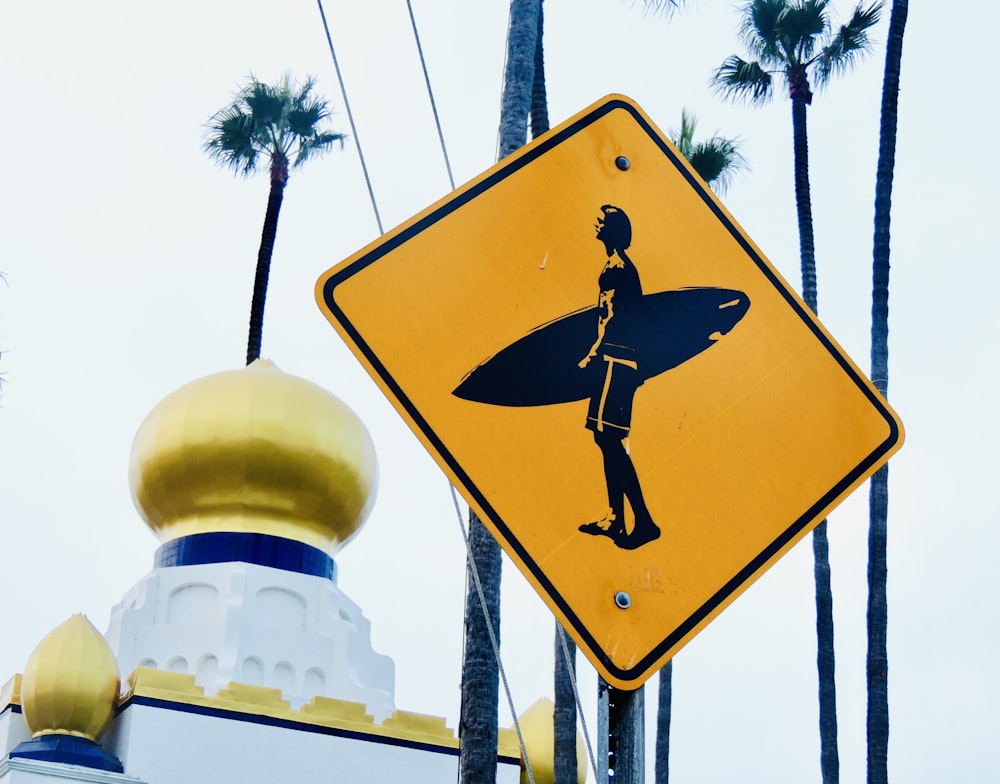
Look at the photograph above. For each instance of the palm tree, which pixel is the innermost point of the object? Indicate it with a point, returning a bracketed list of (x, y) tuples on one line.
[(564, 765), (480, 675), (795, 39), (878, 500), (279, 124), (716, 160), (519, 75), (539, 114)]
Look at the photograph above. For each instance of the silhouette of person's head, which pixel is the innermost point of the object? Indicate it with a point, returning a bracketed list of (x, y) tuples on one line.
[(614, 229)]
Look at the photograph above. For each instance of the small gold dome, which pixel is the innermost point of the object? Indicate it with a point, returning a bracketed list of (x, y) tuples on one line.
[(538, 730), (254, 450), (70, 682)]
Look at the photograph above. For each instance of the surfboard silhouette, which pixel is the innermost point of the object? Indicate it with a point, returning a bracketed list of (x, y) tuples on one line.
[(542, 368)]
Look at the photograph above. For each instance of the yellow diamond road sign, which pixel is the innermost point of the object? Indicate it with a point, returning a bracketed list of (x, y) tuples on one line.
[(628, 394)]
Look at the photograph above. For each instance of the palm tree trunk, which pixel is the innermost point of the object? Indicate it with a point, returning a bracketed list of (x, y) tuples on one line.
[(878, 620), (539, 100), (825, 664), (878, 500), (519, 75), (564, 718), (803, 203), (480, 676), (662, 771), (267, 236), (564, 715), (829, 758)]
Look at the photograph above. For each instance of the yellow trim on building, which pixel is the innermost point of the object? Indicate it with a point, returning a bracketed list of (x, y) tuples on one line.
[(507, 743), (262, 701), (320, 711)]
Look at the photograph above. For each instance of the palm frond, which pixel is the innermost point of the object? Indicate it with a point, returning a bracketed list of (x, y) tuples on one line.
[(736, 78), (265, 103), (316, 145), (303, 118), (800, 28), (717, 161), (230, 140), (848, 44), (302, 96), (759, 29), (665, 7), (684, 138), (280, 121)]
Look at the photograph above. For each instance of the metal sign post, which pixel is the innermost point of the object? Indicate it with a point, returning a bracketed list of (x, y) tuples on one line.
[(621, 753)]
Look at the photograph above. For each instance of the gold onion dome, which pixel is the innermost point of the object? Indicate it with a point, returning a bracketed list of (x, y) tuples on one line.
[(538, 731), (70, 682), (254, 451)]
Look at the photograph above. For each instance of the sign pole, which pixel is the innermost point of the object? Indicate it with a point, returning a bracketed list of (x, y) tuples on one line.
[(603, 732), (621, 738)]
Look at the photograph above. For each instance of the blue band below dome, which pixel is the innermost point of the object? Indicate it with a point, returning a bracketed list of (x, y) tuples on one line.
[(260, 549), (67, 750)]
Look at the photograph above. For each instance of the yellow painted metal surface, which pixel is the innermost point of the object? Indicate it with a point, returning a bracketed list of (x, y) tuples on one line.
[(70, 682), (739, 450), (254, 450)]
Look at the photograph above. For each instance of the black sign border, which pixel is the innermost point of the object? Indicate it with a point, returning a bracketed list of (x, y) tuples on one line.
[(641, 670)]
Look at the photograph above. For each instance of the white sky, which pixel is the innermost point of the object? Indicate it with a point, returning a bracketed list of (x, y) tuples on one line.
[(129, 263)]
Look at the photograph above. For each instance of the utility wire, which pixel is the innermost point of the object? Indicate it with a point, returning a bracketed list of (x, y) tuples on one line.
[(451, 180), (576, 695), (454, 495), (350, 118), (430, 94)]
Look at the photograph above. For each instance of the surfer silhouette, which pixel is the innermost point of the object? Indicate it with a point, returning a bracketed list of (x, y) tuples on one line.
[(602, 354), (609, 415)]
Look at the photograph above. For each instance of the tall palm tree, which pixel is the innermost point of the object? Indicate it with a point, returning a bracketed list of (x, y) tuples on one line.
[(539, 114), (480, 675), (519, 75), (716, 160), (564, 767), (564, 762), (278, 124), (524, 99), (878, 500), (795, 40)]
